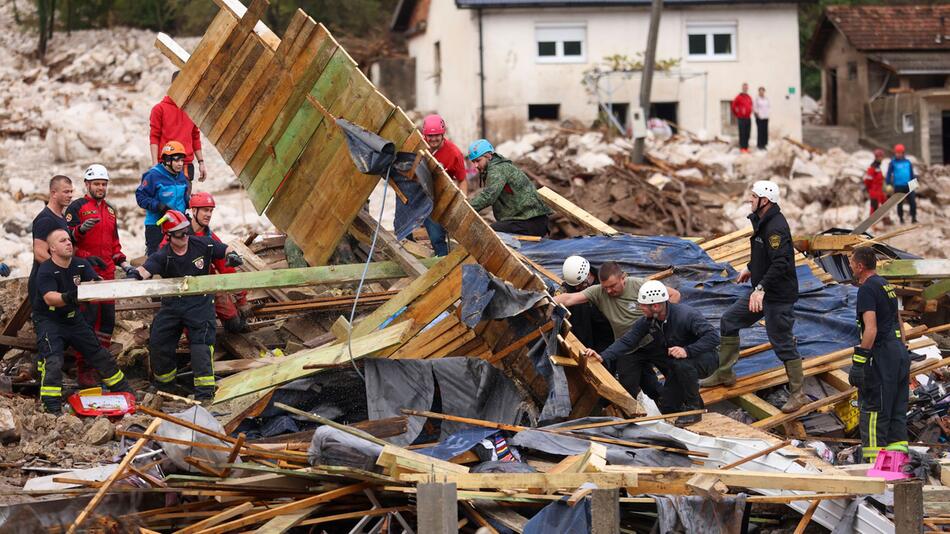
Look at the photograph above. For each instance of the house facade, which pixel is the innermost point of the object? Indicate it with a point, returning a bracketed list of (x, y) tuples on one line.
[(886, 73), (489, 66)]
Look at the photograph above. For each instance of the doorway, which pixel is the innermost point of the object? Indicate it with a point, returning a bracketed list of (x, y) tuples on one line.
[(665, 111), (945, 133), (831, 99)]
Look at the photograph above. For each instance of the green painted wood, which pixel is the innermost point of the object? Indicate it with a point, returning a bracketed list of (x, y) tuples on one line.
[(202, 285), (924, 269), (937, 289), (298, 133), (292, 367)]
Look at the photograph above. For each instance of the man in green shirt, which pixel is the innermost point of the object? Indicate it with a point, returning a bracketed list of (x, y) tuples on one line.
[(616, 298), (512, 196)]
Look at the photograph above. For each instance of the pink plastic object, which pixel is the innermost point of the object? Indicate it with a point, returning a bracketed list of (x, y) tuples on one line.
[(888, 465)]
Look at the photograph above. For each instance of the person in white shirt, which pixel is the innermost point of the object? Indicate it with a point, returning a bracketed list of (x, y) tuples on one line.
[(760, 106)]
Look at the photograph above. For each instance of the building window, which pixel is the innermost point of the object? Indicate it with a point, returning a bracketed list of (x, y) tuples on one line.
[(852, 70), (544, 112), (561, 43), (711, 42), (907, 122), (437, 65), (729, 124)]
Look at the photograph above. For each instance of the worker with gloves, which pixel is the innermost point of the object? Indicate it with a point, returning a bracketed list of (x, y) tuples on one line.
[(164, 187), (184, 255), (450, 157), (874, 181), (900, 172), (771, 272), (674, 338), (512, 196), (614, 298), (880, 367), (95, 232), (59, 323), (227, 306)]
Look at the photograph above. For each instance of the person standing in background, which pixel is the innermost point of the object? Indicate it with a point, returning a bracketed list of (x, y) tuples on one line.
[(167, 122), (761, 107), (742, 110)]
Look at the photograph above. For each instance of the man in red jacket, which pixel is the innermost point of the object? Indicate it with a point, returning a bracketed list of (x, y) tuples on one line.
[(874, 181), (742, 109), (93, 228), (451, 158), (168, 122)]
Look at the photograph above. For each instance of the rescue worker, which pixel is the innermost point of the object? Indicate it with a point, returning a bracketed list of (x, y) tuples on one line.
[(168, 122), (184, 255), (674, 338), (512, 196), (771, 271), (880, 367), (899, 174), (52, 217), (95, 232), (588, 323), (59, 322), (450, 157), (164, 187), (227, 306), (874, 181), (616, 298)]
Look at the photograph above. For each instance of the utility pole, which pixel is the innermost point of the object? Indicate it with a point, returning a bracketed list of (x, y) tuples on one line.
[(646, 81)]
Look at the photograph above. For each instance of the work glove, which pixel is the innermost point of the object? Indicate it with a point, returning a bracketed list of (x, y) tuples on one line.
[(88, 224), (162, 208), (132, 273), (889, 189), (858, 361), (4, 270), (234, 259), (96, 262), (71, 298)]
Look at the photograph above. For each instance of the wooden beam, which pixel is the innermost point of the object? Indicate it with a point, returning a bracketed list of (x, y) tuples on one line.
[(16, 321), (172, 50), (367, 224), (253, 262), (292, 367), (200, 285), (237, 9), (599, 377), (936, 290), (779, 419), (914, 269), (881, 211), (756, 406), (759, 454), (574, 212)]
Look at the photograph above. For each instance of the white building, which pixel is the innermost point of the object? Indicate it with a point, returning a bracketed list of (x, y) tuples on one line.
[(534, 54)]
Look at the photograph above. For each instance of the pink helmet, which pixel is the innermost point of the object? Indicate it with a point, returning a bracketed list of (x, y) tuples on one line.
[(433, 125)]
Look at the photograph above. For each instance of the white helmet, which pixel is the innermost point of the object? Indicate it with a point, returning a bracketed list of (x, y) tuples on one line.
[(575, 270), (653, 292), (96, 172), (766, 189)]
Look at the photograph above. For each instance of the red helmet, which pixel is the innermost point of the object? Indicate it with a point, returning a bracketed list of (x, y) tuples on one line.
[(878, 153), (202, 200), (433, 125), (172, 148), (173, 220), (899, 148)]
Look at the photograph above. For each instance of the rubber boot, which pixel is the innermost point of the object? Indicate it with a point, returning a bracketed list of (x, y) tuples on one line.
[(728, 356), (796, 378)]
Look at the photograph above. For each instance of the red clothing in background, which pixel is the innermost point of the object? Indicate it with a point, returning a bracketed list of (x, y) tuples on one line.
[(168, 122), (874, 183), (742, 106), (451, 158)]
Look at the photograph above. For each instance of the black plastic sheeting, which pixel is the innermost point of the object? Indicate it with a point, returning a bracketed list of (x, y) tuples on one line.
[(559, 516), (689, 513), (837, 264), (486, 297), (824, 314)]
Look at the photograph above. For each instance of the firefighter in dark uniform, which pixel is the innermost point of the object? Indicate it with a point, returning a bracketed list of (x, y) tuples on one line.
[(771, 271), (880, 367), (184, 255), (95, 230), (674, 338), (59, 322)]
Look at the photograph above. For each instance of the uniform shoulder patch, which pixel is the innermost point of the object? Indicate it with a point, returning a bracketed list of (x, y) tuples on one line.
[(775, 240)]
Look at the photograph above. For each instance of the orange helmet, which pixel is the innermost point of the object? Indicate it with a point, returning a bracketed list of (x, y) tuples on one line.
[(172, 148), (172, 221), (202, 200)]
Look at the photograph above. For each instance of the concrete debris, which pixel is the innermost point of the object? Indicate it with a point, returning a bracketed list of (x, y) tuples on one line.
[(8, 427), (100, 432)]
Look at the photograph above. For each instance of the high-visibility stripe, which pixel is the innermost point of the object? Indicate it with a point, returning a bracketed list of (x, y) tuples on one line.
[(872, 429), (869, 454), (897, 333), (167, 377), (859, 359), (114, 379), (900, 446), (202, 381), (51, 391)]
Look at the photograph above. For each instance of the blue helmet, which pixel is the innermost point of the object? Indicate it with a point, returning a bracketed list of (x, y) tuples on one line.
[(479, 148)]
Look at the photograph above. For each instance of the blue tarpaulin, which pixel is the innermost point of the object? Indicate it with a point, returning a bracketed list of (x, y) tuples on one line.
[(824, 314)]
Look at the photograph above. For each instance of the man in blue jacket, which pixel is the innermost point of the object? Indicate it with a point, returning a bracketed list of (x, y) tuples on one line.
[(164, 187), (899, 174), (674, 338)]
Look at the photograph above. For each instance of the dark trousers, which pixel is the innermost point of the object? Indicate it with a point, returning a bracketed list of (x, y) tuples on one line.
[(52, 338), (153, 238), (437, 237), (536, 226), (177, 313), (911, 200), (100, 316), (779, 321), (883, 398), (680, 390), (745, 129), (762, 133)]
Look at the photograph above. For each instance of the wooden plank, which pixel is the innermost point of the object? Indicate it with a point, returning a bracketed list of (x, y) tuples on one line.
[(292, 367), (757, 406), (779, 419), (217, 283), (728, 238), (231, 83), (574, 212), (172, 50), (390, 244), (253, 262), (914, 269), (283, 523), (599, 377), (218, 518), (214, 37), (237, 10), (16, 321), (404, 461)]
